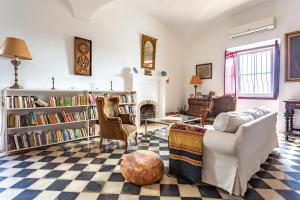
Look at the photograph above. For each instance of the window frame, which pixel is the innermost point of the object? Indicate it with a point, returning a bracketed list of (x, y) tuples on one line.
[(272, 95)]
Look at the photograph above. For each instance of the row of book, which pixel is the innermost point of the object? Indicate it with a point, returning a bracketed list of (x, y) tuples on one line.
[(40, 138), (93, 113), (33, 119), (68, 101), (24, 102), (94, 130), (92, 98), (34, 101), (123, 99), (128, 98), (127, 109)]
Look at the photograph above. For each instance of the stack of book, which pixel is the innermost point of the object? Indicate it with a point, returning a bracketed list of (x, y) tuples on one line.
[(40, 138), (32, 119), (94, 130), (93, 113), (127, 109), (129, 98), (68, 101), (20, 102), (92, 98), (24, 102)]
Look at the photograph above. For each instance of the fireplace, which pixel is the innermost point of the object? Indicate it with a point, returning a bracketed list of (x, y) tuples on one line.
[(147, 111), (151, 93)]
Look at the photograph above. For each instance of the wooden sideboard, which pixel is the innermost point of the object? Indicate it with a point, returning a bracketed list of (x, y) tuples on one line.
[(290, 107), (199, 107)]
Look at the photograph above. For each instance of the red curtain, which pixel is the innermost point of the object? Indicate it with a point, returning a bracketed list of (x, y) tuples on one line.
[(230, 73)]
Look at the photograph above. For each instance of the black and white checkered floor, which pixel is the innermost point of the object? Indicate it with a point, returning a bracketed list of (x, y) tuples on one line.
[(81, 170)]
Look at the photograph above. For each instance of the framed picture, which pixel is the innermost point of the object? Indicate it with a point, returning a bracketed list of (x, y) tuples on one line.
[(82, 56), (292, 56), (148, 52), (204, 71)]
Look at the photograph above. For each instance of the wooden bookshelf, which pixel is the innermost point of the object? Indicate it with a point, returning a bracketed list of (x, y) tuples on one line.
[(127, 100)]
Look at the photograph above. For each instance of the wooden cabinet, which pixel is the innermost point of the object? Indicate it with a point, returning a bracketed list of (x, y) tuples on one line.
[(290, 107), (199, 107)]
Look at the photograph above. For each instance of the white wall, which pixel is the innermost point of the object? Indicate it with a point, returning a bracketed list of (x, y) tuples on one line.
[(212, 41), (49, 29)]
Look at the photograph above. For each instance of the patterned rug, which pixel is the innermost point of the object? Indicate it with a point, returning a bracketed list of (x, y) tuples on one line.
[(81, 170)]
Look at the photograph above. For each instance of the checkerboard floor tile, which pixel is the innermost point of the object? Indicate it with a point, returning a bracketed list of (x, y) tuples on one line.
[(81, 170)]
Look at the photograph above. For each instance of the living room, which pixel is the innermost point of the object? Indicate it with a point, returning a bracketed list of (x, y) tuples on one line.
[(161, 99)]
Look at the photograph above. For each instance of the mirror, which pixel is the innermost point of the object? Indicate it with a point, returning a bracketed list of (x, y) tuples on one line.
[(148, 52)]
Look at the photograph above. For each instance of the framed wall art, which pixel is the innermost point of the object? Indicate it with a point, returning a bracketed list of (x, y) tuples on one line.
[(82, 56), (204, 71), (148, 52), (292, 56)]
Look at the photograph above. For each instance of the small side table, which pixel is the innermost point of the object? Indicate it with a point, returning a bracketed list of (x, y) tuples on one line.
[(290, 106)]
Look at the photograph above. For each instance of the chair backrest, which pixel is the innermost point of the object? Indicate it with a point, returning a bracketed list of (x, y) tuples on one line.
[(221, 104), (107, 107)]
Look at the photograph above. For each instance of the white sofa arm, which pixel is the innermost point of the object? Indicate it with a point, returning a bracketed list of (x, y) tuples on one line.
[(254, 135), (220, 142)]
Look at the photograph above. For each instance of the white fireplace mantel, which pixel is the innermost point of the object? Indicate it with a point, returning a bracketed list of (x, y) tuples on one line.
[(151, 88)]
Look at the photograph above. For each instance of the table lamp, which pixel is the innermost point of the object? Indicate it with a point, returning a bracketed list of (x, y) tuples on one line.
[(195, 81), (16, 49)]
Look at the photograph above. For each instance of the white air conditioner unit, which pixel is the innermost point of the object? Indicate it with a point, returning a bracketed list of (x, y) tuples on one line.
[(254, 27)]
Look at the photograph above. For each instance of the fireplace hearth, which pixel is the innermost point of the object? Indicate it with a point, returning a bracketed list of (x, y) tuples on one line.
[(147, 111)]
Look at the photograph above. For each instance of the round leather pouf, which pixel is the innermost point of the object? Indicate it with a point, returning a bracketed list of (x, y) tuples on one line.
[(142, 167)]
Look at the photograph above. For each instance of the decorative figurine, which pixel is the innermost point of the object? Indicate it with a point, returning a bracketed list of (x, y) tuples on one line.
[(111, 86), (53, 83)]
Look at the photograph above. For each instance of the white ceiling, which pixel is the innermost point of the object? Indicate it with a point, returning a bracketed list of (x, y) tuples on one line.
[(171, 12), (83, 10)]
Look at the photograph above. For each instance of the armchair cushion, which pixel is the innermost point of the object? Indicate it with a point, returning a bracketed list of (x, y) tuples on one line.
[(126, 118), (129, 129), (109, 108)]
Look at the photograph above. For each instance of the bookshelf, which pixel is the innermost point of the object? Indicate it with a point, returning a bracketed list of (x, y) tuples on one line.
[(39, 118)]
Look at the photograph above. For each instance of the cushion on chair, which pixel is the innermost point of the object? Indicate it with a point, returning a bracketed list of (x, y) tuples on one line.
[(230, 121), (108, 108), (130, 129)]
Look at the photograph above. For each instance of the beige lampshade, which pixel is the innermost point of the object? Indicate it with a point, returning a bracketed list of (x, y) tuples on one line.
[(195, 80), (14, 47)]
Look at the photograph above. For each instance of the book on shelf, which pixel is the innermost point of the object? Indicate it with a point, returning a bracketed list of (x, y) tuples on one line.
[(127, 99), (127, 109), (21, 102), (123, 99), (33, 119), (94, 130), (40, 138), (68, 101), (92, 98), (92, 113)]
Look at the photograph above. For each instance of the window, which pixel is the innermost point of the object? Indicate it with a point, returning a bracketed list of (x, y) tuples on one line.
[(253, 73)]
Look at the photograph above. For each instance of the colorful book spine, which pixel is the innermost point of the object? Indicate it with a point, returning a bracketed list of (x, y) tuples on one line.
[(33, 119), (41, 138)]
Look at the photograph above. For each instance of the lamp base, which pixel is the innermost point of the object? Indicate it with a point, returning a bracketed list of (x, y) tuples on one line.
[(195, 86), (16, 63), (16, 86)]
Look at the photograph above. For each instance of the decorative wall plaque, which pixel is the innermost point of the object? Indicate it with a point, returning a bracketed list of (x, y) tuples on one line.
[(82, 56)]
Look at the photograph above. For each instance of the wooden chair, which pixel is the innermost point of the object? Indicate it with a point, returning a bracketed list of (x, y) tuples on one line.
[(221, 104), (113, 124)]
